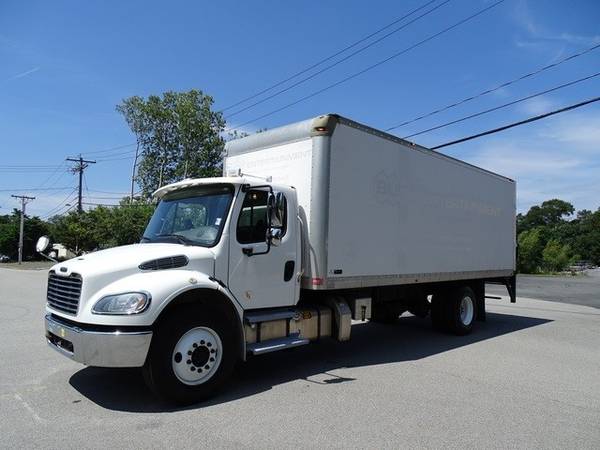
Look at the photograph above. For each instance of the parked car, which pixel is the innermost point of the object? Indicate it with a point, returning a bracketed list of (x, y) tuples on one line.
[(4, 258)]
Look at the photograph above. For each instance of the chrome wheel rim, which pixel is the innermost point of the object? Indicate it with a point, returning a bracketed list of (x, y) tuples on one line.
[(466, 310), (197, 356)]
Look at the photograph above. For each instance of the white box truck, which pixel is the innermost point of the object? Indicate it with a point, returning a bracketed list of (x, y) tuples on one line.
[(312, 226)]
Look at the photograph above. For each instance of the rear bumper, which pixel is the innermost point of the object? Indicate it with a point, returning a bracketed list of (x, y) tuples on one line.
[(98, 348)]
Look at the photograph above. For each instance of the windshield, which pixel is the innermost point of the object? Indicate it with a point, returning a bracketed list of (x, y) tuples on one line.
[(193, 216)]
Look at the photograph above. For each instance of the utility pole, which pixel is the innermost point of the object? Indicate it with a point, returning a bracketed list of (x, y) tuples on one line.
[(81, 165), (137, 150), (24, 200)]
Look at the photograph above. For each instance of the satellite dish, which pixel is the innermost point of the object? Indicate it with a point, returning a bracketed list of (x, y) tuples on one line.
[(42, 244)]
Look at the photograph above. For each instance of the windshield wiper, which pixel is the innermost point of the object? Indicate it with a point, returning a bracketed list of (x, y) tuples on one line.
[(181, 239)]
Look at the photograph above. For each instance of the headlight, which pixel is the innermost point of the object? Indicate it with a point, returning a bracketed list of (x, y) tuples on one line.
[(126, 303)]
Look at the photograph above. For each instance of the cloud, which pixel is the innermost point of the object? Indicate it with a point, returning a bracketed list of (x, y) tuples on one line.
[(540, 38), (578, 131), (575, 39), (557, 158), (537, 105), (515, 161), (23, 74)]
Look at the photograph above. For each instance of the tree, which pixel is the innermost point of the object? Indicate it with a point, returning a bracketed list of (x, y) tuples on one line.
[(75, 231), (102, 227), (586, 236), (530, 251), (33, 228), (549, 213), (556, 256), (121, 225), (179, 136)]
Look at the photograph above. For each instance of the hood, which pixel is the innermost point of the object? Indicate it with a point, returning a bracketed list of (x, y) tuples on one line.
[(127, 258), (116, 270)]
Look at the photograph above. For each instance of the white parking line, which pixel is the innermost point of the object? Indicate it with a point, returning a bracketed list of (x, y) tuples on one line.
[(31, 411)]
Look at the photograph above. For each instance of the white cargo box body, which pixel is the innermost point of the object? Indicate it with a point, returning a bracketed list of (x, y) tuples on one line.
[(378, 210)]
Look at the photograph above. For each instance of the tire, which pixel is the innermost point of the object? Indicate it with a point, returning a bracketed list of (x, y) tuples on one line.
[(192, 354), (462, 310)]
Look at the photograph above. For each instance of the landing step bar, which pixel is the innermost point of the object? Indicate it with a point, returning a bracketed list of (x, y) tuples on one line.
[(274, 345)]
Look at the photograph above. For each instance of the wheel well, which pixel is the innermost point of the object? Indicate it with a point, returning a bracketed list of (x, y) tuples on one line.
[(210, 298)]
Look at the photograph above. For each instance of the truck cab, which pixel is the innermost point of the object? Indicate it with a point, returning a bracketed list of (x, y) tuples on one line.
[(214, 246)]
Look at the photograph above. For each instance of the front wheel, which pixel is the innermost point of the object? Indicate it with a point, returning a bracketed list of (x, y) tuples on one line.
[(192, 354)]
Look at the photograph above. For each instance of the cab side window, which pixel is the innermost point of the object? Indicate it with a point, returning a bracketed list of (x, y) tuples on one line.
[(252, 223)]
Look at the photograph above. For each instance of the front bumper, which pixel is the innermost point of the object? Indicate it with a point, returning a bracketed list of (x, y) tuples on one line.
[(98, 348)]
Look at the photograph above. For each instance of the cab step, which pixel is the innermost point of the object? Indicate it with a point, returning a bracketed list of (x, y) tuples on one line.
[(273, 345)]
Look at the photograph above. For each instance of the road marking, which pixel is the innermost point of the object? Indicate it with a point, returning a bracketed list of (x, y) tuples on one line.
[(31, 411)]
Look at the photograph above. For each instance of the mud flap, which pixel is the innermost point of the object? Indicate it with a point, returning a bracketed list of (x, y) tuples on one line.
[(511, 287), (479, 290)]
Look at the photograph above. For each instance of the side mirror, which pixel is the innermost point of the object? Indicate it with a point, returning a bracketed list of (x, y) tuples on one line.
[(274, 235), (42, 244), (276, 209)]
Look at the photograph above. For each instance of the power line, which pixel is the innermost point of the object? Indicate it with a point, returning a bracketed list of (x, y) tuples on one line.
[(60, 206), (118, 147), (26, 170), (116, 159), (348, 78), (112, 155), (328, 58), (496, 108), (37, 189), (94, 197), (60, 177), (108, 192), (360, 50), (61, 166), (30, 165), (496, 88), (87, 192), (516, 124)]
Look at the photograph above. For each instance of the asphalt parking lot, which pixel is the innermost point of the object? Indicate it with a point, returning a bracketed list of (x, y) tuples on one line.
[(583, 289), (529, 377)]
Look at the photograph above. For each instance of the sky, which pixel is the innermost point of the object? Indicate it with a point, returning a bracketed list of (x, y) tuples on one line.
[(65, 65)]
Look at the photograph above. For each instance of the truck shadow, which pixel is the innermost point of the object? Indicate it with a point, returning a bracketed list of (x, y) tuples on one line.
[(409, 340)]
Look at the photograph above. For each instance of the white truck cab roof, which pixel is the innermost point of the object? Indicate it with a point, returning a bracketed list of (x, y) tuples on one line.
[(192, 182)]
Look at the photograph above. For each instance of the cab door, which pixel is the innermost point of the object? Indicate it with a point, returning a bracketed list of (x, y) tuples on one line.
[(262, 280)]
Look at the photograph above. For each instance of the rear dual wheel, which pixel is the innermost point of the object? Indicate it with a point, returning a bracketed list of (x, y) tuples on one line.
[(454, 310)]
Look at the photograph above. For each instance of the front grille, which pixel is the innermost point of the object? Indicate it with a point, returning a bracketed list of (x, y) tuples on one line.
[(64, 292)]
